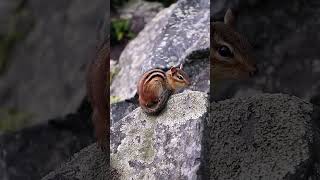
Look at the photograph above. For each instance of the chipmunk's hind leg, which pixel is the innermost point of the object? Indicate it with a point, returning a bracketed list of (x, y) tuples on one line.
[(162, 101)]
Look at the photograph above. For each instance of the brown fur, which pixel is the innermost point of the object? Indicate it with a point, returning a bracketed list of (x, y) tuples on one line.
[(98, 93), (154, 94)]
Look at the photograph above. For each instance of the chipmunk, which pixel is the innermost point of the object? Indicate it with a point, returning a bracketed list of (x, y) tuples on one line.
[(230, 53), (156, 86), (98, 93)]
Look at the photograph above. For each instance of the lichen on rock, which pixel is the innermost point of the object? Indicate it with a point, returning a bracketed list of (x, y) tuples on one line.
[(168, 145)]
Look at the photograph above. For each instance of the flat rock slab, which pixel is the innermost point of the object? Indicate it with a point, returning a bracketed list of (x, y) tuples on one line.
[(268, 136), (177, 35), (162, 147)]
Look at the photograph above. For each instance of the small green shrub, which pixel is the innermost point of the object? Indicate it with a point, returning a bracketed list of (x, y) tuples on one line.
[(120, 30)]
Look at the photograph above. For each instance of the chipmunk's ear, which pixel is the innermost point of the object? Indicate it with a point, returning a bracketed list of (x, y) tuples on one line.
[(173, 70), (181, 66), (229, 18)]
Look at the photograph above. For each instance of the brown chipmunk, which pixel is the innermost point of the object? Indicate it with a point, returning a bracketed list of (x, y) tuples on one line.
[(156, 86), (230, 53), (98, 93)]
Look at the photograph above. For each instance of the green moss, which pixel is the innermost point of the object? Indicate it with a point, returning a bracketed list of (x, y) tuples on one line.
[(12, 119), (114, 99), (113, 72), (120, 30)]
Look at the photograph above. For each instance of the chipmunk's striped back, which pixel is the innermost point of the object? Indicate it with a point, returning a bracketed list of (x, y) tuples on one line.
[(152, 75), (156, 86), (150, 87)]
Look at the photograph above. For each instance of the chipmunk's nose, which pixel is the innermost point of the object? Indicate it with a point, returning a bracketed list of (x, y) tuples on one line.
[(255, 71)]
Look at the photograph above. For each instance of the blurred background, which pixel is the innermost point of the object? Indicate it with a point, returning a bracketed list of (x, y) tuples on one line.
[(44, 49), (285, 36)]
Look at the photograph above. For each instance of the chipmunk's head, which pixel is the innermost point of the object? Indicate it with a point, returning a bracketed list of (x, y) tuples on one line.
[(177, 78), (231, 53)]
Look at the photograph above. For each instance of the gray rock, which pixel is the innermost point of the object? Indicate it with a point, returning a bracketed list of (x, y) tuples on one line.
[(267, 136), (178, 34), (47, 70), (120, 109), (166, 146), (140, 9), (163, 147)]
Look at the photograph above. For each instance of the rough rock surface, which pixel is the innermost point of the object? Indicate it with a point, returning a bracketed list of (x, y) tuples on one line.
[(140, 144), (46, 72), (163, 147), (268, 136), (178, 34), (140, 9), (120, 109), (89, 163), (285, 36)]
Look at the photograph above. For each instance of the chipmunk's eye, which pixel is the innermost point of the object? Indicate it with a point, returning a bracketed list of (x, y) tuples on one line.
[(224, 51), (180, 77)]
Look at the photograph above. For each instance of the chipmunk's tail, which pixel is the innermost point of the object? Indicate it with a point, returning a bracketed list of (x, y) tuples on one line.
[(157, 109)]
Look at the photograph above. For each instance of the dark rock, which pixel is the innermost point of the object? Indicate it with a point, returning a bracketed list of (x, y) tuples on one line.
[(268, 136), (90, 163), (121, 109)]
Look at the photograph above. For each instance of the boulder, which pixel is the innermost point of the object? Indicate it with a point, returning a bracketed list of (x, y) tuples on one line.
[(162, 147), (89, 163), (266, 136), (165, 146), (177, 35)]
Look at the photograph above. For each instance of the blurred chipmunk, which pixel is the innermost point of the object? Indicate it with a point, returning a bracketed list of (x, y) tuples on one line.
[(231, 54)]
